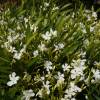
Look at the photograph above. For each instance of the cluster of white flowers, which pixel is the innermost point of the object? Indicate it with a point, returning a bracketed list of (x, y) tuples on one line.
[(57, 74), (10, 48), (87, 14), (71, 91), (90, 15), (49, 34), (78, 68), (27, 21), (13, 79), (12, 39)]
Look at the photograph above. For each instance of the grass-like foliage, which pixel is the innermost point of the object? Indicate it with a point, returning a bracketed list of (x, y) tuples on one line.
[(49, 52)]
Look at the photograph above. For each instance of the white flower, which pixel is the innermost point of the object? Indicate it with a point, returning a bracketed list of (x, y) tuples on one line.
[(48, 65), (60, 80), (23, 49), (35, 53), (11, 31), (82, 54), (18, 27), (78, 63), (82, 26), (74, 87), (87, 11), (79, 66), (1, 21), (46, 4), (26, 20), (76, 72), (87, 80), (84, 30), (27, 94), (60, 76), (54, 33), (71, 91), (55, 8), (73, 15), (59, 46), (40, 94), (97, 63), (13, 79), (9, 38), (66, 67), (33, 27), (47, 86), (13, 38), (22, 35), (86, 42), (42, 78), (96, 75), (88, 18), (63, 99), (91, 29), (17, 55), (46, 36), (44, 88), (42, 47), (73, 99), (86, 97), (94, 14), (12, 49)]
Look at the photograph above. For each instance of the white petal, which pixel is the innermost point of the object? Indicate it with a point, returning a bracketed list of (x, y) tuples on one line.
[(10, 83), (13, 74), (17, 78)]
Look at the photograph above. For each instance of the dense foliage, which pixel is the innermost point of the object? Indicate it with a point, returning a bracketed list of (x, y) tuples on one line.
[(49, 52)]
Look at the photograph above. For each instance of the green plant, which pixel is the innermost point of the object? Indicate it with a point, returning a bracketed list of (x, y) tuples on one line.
[(49, 52)]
